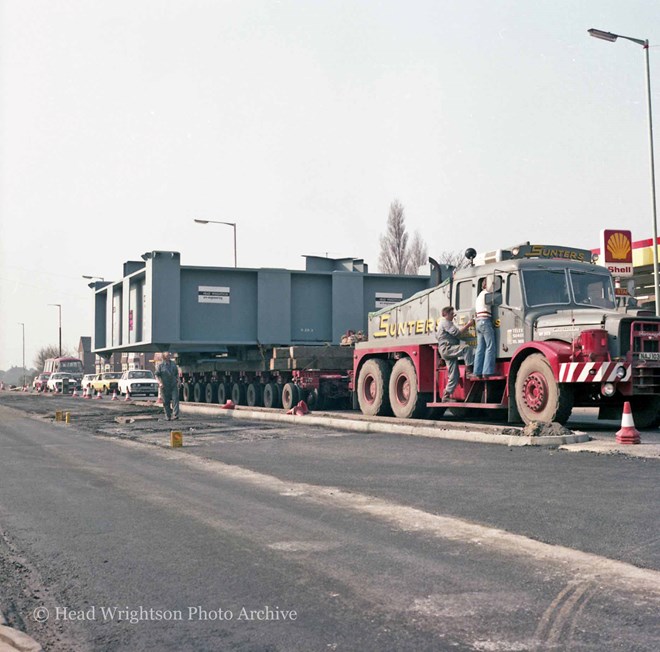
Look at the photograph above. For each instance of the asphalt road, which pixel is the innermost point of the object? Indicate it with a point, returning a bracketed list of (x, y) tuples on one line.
[(259, 536)]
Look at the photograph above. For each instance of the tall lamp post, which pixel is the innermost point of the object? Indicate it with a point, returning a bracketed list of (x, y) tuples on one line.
[(59, 306), (20, 323), (609, 36), (232, 224)]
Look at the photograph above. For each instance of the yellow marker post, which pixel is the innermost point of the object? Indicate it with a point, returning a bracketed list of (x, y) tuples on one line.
[(67, 417), (58, 415), (176, 439)]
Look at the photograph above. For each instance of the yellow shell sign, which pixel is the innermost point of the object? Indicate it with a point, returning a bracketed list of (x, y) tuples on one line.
[(616, 251)]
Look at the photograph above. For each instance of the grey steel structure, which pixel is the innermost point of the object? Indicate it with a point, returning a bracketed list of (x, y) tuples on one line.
[(226, 323)]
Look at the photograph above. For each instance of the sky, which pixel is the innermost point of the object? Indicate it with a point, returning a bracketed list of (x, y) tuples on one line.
[(493, 123)]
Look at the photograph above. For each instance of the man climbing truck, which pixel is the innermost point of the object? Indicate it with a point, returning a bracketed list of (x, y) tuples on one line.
[(560, 343)]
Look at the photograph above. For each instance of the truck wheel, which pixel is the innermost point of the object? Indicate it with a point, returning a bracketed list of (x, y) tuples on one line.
[(645, 411), (185, 391), (224, 393), (315, 400), (538, 395), (405, 398), (210, 392), (254, 395), (290, 395), (372, 388), (272, 395), (238, 393), (197, 392)]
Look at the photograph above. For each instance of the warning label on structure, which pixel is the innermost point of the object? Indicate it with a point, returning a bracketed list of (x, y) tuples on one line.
[(211, 294), (384, 299)]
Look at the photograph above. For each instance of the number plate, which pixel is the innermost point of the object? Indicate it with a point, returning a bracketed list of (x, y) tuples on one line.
[(647, 355)]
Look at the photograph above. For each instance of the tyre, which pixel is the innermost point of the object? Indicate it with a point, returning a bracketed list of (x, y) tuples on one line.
[(210, 392), (539, 397), (315, 400), (238, 394), (224, 393), (373, 387), (106, 390), (197, 392), (186, 392), (645, 411), (290, 395), (254, 395), (272, 395), (405, 399)]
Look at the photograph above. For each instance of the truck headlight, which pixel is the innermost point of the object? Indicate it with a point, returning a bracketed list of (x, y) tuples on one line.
[(620, 372), (608, 389)]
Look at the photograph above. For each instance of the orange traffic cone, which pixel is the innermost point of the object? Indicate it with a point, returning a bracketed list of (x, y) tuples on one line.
[(299, 410), (229, 405), (75, 393), (128, 396), (98, 396), (628, 433), (114, 395)]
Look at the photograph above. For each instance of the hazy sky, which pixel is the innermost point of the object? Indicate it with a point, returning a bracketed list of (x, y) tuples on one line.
[(492, 121)]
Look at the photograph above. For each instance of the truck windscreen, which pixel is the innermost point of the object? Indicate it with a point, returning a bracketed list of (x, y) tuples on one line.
[(545, 287), (592, 289)]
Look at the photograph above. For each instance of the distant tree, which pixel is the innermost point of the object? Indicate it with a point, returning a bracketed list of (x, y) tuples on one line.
[(45, 352), (396, 257), (455, 258)]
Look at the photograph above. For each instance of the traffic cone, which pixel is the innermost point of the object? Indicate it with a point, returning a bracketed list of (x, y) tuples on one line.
[(229, 405), (299, 410), (75, 393), (98, 396), (114, 395), (628, 433), (128, 396)]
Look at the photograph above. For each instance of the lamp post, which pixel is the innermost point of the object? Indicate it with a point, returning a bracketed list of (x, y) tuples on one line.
[(609, 36), (59, 306), (20, 323), (232, 224)]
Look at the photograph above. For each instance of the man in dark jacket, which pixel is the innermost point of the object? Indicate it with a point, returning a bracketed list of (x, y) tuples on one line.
[(168, 378)]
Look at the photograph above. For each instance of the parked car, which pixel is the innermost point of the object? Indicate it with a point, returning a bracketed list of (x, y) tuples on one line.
[(138, 381), (87, 380), (56, 379), (106, 382), (39, 383)]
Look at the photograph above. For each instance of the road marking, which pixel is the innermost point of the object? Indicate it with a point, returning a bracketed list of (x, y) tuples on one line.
[(585, 567)]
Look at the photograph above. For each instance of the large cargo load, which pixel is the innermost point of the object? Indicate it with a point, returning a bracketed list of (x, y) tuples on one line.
[(257, 336), (560, 343)]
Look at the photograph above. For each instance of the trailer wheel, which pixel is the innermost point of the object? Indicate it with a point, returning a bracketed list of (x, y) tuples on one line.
[(197, 392), (290, 395), (405, 399), (254, 395), (210, 392), (539, 397), (315, 400), (238, 393), (224, 392), (185, 391), (373, 382), (272, 395)]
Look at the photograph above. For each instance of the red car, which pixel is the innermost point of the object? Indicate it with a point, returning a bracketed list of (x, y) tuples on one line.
[(39, 383)]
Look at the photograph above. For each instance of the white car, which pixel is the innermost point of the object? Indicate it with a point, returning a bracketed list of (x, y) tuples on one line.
[(87, 380), (138, 381), (56, 380)]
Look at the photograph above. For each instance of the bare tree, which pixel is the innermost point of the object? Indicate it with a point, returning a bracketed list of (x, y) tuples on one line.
[(396, 257), (45, 352), (455, 258)]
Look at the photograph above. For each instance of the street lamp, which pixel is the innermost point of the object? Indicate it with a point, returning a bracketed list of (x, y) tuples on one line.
[(232, 224), (59, 305), (609, 36), (20, 323)]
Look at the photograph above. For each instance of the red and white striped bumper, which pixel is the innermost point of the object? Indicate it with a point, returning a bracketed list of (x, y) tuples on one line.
[(592, 372)]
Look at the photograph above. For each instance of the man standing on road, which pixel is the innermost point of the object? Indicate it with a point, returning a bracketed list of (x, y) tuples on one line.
[(168, 378)]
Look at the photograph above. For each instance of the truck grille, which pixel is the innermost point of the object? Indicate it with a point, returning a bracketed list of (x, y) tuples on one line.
[(644, 353)]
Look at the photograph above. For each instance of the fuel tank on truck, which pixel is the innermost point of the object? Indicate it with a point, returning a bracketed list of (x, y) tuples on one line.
[(160, 304)]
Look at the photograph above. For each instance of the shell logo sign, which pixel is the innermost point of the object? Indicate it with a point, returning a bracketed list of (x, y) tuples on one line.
[(616, 249)]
